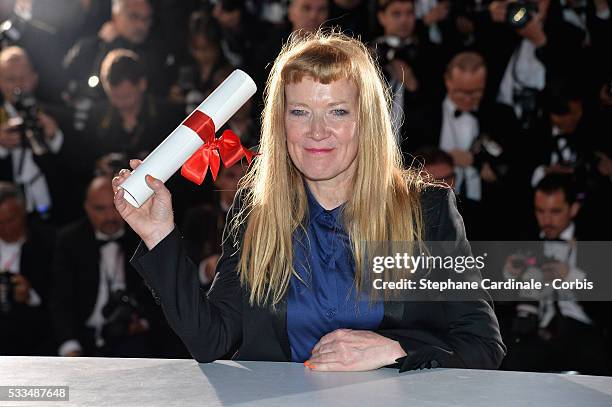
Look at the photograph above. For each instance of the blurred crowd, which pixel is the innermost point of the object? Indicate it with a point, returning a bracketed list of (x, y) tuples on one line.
[(509, 102)]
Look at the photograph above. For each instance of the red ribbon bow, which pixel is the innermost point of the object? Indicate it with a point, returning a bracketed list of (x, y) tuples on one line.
[(226, 148)]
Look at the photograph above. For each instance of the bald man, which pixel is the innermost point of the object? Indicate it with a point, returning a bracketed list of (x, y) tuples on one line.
[(91, 265)]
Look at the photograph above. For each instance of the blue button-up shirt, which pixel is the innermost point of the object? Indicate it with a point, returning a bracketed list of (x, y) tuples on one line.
[(324, 260)]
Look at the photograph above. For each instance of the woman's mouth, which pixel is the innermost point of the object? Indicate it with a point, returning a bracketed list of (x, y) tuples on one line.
[(318, 150)]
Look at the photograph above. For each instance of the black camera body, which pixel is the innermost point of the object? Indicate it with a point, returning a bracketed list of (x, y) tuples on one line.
[(392, 49), (6, 292), (486, 150), (27, 109), (118, 314), (528, 99)]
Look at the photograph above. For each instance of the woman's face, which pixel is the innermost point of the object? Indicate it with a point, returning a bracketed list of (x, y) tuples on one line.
[(321, 127)]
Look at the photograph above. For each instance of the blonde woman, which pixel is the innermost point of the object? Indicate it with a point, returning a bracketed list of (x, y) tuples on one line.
[(329, 176)]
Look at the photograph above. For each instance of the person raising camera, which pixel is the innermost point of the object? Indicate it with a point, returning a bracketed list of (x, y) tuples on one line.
[(99, 305), (29, 137)]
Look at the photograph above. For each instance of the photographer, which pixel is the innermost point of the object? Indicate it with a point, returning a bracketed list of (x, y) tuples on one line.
[(206, 65), (99, 306), (29, 138), (554, 331), (528, 43), (26, 250), (132, 120), (564, 138), (450, 24), (129, 28), (408, 62), (481, 136)]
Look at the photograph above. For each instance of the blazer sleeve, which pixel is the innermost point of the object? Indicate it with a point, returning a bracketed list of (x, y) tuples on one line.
[(209, 324), (472, 338)]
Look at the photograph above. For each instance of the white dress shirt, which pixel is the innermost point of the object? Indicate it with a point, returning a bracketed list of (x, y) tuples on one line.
[(112, 276), (566, 252), (524, 70), (36, 190), (460, 133), (563, 153)]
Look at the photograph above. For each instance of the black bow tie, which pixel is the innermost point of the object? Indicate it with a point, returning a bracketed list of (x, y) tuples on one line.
[(458, 113), (102, 242)]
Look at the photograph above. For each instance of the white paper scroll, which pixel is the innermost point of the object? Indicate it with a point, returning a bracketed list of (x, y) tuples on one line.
[(176, 149)]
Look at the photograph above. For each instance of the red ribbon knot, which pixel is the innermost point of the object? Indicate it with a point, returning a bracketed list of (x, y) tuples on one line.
[(226, 148)]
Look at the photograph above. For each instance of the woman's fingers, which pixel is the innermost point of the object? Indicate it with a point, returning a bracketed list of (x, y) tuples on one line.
[(158, 187), (120, 178), (134, 163), (119, 200)]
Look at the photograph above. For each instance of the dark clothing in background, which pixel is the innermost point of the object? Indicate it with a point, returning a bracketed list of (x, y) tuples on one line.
[(85, 58), (27, 330), (76, 272)]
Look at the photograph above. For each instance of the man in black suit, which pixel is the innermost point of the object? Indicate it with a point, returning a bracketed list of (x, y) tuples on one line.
[(481, 136), (90, 267), (555, 332), (524, 57), (28, 158), (411, 64), (564, 139), (26, 250)]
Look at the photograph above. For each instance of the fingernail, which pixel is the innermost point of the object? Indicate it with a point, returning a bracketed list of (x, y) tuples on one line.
[(307, 363)]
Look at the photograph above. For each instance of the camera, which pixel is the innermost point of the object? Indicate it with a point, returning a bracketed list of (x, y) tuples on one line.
[(11, 30), (118, 314), (392, 49), (527, 98), (27, 109), (6, 292), (519, 13), (486, 150), (82, 95)]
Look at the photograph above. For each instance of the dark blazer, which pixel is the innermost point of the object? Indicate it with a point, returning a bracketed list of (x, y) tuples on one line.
[(77, 278), (447, 334), (25, 330)]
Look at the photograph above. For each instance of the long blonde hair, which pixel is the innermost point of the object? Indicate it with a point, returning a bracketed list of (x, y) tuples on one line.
[(384, 205)]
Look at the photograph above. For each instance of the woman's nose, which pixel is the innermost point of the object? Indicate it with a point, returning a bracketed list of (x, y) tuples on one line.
[(318, 128)]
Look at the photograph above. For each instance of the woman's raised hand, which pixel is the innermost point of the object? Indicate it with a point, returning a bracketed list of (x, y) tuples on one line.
[(154, 220)]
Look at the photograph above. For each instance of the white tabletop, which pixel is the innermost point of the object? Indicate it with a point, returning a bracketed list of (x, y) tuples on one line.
[(172, 382)]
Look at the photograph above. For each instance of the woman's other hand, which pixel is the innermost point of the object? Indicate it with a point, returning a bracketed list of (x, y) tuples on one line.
[(353, 350), (154, 220)]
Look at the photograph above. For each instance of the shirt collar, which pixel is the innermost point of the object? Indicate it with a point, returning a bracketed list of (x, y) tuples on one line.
[(566, 235), (449, 106), (114, 236), (315, 210)]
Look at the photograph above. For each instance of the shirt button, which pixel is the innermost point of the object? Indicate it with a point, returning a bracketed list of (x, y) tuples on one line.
[(331, 313)]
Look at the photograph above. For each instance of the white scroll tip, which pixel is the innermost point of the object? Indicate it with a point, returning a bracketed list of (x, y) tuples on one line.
[(130, 198)]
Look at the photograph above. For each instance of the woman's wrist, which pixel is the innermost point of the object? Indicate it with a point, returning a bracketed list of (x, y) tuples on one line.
[(157, 236)]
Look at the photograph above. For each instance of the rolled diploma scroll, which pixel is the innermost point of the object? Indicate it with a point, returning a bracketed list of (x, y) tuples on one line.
[(183, 142)]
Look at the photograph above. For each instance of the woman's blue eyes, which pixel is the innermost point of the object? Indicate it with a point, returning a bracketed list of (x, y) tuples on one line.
[(299, 112)]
